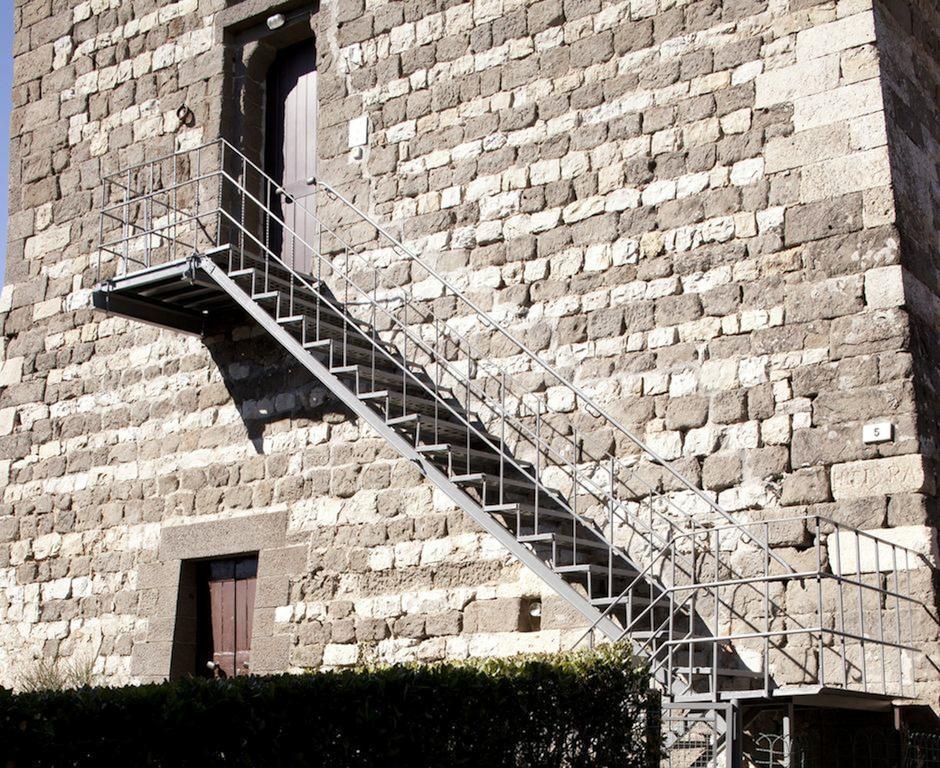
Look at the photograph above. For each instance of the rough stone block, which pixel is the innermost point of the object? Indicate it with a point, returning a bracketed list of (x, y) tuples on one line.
[(223, 537), (271, 654), (152, 659), (499, 615), (838, 104), (806, 486), (720, 472), (807, 147), (840, 35), (861, 553), (867, 333), (844, 175), (884, 287), (897, 474), (822, 219), (686, 412), (828, 298), (786, 84)]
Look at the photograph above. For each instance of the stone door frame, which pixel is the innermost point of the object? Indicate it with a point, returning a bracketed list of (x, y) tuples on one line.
[(158, 655)]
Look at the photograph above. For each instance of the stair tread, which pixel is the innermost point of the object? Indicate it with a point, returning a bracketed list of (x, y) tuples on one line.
[(422, 418), (475, 477), (536, 538), (722, 671), (595, 568)]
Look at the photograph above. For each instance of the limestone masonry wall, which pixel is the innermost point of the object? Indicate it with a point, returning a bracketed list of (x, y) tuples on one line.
[(689, 207)]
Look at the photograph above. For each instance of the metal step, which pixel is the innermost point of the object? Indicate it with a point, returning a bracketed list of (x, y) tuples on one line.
[(565, 539), (528, 510), (354, 350), (383, 377), (722, 672), (597, 569), (459, 454), (397, 404), (428, 426)]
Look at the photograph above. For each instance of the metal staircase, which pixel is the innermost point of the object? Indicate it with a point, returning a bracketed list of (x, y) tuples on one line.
[(192, 242)]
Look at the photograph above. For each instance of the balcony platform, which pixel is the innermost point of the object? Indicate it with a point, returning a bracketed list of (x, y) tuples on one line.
[(177, 295), (821, 696)]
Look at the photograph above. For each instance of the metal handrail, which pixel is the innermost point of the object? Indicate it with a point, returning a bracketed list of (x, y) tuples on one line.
[(497, 326), (584, 480), (571, 468)]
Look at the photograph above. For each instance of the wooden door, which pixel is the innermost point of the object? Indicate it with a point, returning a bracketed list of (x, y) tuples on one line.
[(291, 151), (230, 589)]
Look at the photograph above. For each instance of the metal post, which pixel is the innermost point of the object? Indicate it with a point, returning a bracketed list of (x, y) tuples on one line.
[(819, 603), (838, 573), (861, 609), (125, 228), (766, 611), (502, 437)]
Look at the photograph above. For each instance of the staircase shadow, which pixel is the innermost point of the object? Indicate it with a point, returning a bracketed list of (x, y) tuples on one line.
[(561, 542), (266, 384)]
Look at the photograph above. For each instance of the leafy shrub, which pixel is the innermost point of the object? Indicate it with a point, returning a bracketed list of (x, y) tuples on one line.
[(568, 711)]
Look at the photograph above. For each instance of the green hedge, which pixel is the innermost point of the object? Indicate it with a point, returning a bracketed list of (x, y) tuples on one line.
[(573, 710)]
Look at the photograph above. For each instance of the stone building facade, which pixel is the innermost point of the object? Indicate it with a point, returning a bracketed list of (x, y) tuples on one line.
[(720, 217)]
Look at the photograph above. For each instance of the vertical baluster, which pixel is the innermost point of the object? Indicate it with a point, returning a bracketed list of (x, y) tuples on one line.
[(716, 550), (320, 282), (861, 609), (897, 617), (266, 224), (881, 630), (218, 201), (125, 228), (404, 383), (197, 212), (437, 379), (288, 201), (910, 605), (375, 297), (502, 436), (105, 204), (241, 210), (467, 401), (611, 505), (766, 609), (266, 252), (148, 244), (693, 601), (175, 203), (819, 603), (574, 497), (538, 461), (347, 311), (839, 588), (671, 618)]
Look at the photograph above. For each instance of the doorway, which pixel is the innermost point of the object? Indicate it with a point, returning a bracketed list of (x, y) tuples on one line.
[(290, 156), (224, 609)]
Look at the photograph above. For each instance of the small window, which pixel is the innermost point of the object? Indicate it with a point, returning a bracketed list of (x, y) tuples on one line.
[(225, 602)]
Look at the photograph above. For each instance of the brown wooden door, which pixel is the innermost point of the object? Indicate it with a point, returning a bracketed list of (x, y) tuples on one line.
[(291, 150), (230, 589)]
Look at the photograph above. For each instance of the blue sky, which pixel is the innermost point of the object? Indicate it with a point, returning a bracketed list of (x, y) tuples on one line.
[(6, 85)]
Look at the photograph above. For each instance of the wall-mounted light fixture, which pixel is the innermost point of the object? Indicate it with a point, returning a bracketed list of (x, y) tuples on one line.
[(276, 21)]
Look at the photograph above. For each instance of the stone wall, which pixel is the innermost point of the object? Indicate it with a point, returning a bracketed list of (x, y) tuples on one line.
[(689, 208), (911, 83)]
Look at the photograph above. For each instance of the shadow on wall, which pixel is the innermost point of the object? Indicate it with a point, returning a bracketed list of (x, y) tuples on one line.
[(266, 384)]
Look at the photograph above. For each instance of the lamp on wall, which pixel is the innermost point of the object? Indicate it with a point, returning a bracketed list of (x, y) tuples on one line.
[(276, 21)]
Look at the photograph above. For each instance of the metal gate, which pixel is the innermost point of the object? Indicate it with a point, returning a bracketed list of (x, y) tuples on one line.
[(922, 750), (694, 736)]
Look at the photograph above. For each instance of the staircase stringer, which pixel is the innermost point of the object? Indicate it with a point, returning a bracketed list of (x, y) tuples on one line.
[(463, 500)]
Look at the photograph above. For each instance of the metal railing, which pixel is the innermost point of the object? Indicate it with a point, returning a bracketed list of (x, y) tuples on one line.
[(845, 621), (708, 586)]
